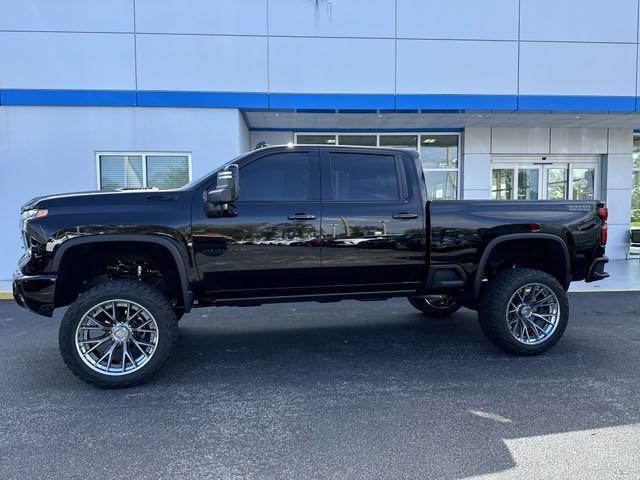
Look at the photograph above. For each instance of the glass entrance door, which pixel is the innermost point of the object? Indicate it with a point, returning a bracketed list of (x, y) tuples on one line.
[(561, 179), (556, 179)]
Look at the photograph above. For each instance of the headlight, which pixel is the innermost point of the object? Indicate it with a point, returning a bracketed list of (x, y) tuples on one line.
[(32, 213), (25, 217)]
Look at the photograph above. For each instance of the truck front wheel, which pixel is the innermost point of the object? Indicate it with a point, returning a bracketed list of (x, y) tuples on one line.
[(118, 334), (524, 311), (435, 305)]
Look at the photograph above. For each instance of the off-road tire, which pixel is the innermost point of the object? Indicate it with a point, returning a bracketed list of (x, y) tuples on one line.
[(144, 295), (492, 311)]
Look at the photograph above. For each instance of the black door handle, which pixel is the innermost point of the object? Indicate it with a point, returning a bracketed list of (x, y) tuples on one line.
[(301, 216), (404, 216)]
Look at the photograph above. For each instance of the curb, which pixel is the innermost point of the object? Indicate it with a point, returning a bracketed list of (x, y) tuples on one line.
[(6, 296), (603, 290)]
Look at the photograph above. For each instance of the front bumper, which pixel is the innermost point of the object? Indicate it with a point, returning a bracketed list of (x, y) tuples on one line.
[(596, 270), (35, 292)]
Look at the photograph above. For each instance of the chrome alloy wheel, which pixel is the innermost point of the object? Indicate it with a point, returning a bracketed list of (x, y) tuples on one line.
[(116, 337), (533, 313), (441, 302)]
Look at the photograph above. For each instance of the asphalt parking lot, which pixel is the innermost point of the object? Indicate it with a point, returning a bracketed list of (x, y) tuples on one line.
[(346, 390)]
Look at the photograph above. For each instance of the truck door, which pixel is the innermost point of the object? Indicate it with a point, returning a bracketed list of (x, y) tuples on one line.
[(372, 219), (272, 241)]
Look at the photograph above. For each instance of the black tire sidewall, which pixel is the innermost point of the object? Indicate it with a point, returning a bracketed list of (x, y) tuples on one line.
[(493, 307), (137, 292)]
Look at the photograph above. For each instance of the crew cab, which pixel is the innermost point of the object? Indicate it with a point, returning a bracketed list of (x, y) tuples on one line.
[(296, 223)]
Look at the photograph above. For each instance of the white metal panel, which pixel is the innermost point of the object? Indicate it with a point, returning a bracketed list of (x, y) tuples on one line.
[(520, 140), (472, 194), (338, 18), (331, 65), (458, 19), (67, 60), (477, 171), (620, 140), (577, 69), (619, 167), (67, 15), (457, 67), (477, 140), (579, 20), (579, 140), (202, 63), (618, 241), (240, 17), (619, 203)]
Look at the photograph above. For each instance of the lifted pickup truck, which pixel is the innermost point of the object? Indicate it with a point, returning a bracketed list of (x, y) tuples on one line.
[(301, 223)]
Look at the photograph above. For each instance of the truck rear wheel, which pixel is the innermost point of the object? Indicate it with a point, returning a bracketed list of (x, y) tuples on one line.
[(435, 305), (524, 311), (118, 334)]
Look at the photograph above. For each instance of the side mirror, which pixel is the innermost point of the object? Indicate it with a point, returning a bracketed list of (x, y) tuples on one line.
[(225, 193), (227, 186)]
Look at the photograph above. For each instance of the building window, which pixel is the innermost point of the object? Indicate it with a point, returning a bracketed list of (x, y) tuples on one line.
[(439, 157), (635, 184), (438, 154), (135, 170)]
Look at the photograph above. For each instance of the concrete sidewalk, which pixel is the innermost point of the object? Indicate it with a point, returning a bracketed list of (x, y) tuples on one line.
[(5, 289), (625, 276)]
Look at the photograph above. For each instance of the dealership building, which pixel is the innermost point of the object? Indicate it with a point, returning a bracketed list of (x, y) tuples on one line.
[(503, 99)]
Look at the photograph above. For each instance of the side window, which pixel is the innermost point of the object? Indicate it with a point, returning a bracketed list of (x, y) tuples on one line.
[(361, 177), (278, 177)]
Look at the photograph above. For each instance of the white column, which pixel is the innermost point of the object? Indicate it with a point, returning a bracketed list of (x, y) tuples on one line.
[(476, 163), (616, 189)]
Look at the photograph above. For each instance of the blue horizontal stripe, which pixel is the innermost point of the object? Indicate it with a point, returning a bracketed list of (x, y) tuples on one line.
[(332, 101), (101, 98), (579, 103), (359, 130), (318, 102), (457, 102), (203, 99)]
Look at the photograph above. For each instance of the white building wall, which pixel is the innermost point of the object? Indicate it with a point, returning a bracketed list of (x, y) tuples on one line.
[(476, 163), (44, 60), (493, 47), (67, 15)]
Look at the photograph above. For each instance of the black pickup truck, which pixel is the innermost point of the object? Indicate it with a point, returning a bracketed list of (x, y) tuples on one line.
[(296, 223)]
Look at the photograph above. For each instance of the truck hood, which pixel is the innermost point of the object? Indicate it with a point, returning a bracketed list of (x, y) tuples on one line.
[(101, 198)]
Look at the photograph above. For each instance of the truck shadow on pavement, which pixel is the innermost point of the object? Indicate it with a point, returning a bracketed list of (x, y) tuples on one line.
[(349, 390)]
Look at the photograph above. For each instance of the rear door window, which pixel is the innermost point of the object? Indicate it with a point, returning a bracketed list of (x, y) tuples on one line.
[(362, 177)]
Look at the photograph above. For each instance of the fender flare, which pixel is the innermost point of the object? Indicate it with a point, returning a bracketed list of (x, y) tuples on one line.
[(187, 294), (477, 281)]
